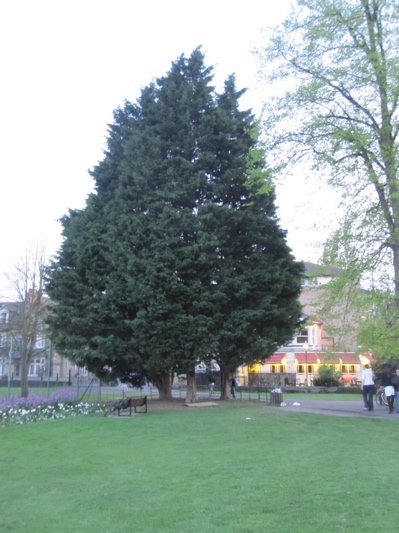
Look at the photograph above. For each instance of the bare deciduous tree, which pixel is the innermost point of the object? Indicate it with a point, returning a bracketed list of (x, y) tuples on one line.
[(27, 311)]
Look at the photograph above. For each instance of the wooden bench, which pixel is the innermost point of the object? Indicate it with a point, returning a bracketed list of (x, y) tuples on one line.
[(134, 402)]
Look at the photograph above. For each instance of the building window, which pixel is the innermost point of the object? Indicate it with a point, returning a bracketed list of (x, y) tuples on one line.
[(301, 369), (36, 367), (3, 317), (310, 369), (310, 282), (40, 343), (352, 369), (81, 371), (282, 369), (302, 336), (343, 369), (2, 367), (273, 369)]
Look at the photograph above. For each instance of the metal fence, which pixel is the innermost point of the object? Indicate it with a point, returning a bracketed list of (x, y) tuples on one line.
[(95, 391), (103, 394)]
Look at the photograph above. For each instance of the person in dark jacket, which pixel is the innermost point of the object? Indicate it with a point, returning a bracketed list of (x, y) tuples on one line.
[(386, 382), (233, 387)]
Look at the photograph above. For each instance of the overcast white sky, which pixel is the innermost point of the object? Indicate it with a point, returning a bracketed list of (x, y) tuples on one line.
[(66, 65)]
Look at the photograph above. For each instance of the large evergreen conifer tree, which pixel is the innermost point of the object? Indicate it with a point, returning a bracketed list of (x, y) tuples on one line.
[(175, 257)]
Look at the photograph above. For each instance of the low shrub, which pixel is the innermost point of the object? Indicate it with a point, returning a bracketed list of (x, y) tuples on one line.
[(328, 377)]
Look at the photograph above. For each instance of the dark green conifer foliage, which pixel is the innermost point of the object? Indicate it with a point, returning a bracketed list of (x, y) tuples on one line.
[(175, 258), (254, 282)]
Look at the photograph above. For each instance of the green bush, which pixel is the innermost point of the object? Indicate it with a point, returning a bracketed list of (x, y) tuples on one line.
[(328, 377)]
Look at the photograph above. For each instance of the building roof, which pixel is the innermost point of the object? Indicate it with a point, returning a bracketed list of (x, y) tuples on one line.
[(276, 358), (309, 358), (312, 358), (313, 268), (339, 359)]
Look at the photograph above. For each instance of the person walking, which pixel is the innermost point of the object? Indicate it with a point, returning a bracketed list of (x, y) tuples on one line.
[(233, 387), (368, 387), (211, 387), (395, 384), (390, 396), (386, 382)]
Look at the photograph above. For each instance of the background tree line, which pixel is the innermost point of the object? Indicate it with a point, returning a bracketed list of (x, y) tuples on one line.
[(338, 61)]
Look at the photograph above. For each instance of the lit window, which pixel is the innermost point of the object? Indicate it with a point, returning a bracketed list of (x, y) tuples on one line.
[(352, 369)]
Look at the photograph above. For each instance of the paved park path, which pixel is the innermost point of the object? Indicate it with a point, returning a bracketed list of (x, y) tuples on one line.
[(337, 408)]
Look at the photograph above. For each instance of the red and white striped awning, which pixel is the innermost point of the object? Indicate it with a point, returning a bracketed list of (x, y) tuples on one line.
[(339, 358), (275, 359), (310, 358), (349, 378)]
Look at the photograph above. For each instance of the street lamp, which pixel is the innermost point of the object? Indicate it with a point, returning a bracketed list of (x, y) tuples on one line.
[(306, 348)]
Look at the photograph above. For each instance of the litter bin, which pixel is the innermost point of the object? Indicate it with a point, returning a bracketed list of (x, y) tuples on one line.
[(276, 398)]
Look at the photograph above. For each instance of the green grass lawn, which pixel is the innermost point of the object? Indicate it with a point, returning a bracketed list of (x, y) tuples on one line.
[(238, 467), (16, 391), (324, 396)]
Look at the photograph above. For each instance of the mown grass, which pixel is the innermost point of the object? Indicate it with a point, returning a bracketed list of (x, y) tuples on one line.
[(298, 396), (238, 467), (334, 396), (16, 391)]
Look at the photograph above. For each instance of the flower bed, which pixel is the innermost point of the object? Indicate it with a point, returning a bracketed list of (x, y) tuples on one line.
[(36, 407)]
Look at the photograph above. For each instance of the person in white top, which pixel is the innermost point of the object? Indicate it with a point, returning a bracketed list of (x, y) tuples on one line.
[(368, 387)]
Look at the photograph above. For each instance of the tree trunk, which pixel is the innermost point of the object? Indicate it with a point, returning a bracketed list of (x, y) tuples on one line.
[(225, 384), (163, 383), (395, 250), (24, 376), (191, 393)]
